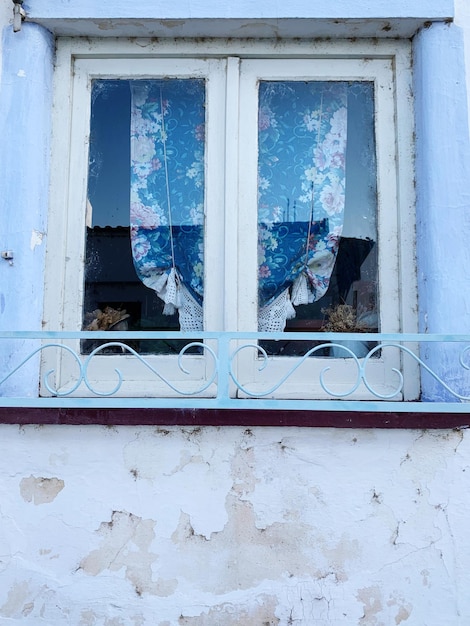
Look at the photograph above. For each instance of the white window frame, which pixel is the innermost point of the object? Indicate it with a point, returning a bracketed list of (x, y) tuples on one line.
[(232, 70)]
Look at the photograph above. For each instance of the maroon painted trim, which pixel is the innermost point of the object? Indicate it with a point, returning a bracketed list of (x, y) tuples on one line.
[(231, 417)]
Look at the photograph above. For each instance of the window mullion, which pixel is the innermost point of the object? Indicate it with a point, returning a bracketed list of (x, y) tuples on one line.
[(248, 198), (214, 197), (231, 174)]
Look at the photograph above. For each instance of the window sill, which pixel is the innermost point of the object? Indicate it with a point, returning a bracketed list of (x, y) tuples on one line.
[(308, 418)]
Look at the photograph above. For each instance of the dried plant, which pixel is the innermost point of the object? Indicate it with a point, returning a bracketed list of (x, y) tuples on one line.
[(342, 318), (102, 320)]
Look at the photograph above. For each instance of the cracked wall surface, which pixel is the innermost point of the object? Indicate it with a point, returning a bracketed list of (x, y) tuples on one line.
[(221, 526)]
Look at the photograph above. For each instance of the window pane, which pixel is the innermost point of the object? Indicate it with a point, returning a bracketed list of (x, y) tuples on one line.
[(317, 208), (145, 207)]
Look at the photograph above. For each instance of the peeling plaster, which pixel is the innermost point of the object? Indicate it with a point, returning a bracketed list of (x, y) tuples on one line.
[(249, 555), (17, 596), (22, 599), (260, 613), (89, 617), (177, 461), (404, 609), (292, 540), (372, 601), (36, 239), (126, 541), (40, 490)]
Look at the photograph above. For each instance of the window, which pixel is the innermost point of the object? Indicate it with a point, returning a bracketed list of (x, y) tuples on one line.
[(232, 186)]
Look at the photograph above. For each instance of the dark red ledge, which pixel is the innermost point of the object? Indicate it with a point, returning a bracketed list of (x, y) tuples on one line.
[(231, 417)]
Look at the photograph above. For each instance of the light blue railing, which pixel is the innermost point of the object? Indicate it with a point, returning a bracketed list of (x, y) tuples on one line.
[(221, 386)]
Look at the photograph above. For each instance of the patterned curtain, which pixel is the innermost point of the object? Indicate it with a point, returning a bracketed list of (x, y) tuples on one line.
[(167, 193), (301, 193), (302, 129)]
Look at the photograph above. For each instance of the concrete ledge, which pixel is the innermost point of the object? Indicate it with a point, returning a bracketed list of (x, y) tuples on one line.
[(212, 18), (234, 28), (242, 9)]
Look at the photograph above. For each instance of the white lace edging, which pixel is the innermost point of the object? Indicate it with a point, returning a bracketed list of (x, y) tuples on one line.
[(190, 312), (301, 294), (272, 318), (177, 298)]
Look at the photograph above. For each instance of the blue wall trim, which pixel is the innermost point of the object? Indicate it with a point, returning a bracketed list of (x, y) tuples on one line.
[(443, 190), (25, 129), (262, 9)]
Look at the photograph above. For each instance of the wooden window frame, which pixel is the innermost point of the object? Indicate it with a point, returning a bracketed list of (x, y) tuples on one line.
[(78, 61)]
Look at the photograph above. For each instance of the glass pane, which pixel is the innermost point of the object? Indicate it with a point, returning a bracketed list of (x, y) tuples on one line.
[(317, 209), (145, 205)]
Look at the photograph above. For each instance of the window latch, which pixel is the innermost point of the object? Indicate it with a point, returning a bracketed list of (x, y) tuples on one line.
[(18, 15)]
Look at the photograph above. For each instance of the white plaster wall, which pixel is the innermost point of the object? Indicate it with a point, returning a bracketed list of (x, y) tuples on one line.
[(232, 526)]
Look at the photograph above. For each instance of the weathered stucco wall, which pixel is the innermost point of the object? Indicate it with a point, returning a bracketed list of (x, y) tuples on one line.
[(229, 526), (442, 189), (462, 19), (135, 526)]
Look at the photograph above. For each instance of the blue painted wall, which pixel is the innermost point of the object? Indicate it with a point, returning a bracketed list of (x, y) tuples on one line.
[(25, 131), (443, 196)]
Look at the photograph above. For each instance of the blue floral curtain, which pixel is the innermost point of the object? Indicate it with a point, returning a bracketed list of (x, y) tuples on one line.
[(167, 192), (302, 129), (301, 193)]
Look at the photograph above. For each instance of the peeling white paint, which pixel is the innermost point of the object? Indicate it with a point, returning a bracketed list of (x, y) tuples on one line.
[(126, 542), (36, 239), (215, 526), (40, 490)]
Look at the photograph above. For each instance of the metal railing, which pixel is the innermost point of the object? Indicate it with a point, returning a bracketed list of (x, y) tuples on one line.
[(222, 385)]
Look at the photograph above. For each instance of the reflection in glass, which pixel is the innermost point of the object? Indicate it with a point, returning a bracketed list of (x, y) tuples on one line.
[(146, 153), (317, 208)]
